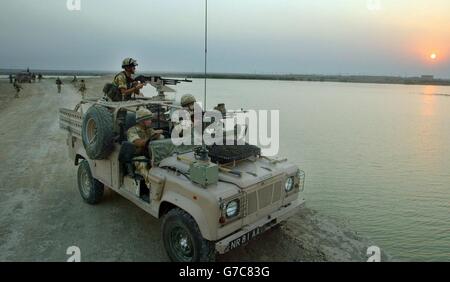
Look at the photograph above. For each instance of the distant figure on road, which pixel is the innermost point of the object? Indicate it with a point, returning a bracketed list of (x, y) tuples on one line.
[(74, 80), (33, 77), (58, 84), (82, 88), (18, 87), (10, 78), (39, 77)]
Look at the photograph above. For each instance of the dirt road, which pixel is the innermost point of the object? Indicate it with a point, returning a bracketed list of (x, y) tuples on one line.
[(42, 213)]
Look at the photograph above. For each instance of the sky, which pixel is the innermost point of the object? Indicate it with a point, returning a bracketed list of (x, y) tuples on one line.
[(361, 37)]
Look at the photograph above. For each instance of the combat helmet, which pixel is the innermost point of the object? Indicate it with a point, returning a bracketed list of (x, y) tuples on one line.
[(187, 99), (143, 114), (129, 62)]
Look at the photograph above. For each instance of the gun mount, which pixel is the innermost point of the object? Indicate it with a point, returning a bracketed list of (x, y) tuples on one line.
[(160, 83)]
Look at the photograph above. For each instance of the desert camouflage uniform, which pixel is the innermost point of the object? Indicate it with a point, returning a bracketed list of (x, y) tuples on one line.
[(122, 81), (82, 89), (139, 132)]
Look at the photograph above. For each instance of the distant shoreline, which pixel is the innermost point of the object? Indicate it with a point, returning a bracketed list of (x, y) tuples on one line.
[(280, 77)]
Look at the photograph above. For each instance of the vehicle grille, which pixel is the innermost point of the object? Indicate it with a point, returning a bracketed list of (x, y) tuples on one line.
[(263, 197)]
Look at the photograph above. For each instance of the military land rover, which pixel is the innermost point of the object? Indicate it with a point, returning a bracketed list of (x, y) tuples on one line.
[(207, 206)]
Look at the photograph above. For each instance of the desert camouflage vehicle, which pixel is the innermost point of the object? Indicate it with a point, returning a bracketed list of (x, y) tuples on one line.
[(207, 207), (24, 77)]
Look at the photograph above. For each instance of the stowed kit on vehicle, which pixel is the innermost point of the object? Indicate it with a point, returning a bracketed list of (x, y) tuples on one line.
[(207, 206)]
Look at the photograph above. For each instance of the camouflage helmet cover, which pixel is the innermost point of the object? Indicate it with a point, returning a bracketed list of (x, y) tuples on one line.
[(143, 114), (129, 62), (187, 99)]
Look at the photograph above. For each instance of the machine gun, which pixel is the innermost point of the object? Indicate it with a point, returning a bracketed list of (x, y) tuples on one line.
[(160, 83)]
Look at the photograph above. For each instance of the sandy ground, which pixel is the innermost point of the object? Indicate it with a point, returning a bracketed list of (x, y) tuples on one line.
[(42, 213)]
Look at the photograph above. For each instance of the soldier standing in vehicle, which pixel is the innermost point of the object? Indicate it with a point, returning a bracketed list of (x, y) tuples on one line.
[(58, 84), (124, 81), (82, 88), (17, 87), (187, 102), (142, 132)]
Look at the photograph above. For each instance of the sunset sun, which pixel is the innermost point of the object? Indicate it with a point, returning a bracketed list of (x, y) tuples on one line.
[(433, 56)]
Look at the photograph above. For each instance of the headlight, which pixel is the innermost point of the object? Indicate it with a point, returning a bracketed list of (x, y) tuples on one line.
[(232, 208), (289, 184)]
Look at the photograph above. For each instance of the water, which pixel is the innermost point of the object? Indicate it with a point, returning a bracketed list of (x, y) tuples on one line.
[(377, 156)]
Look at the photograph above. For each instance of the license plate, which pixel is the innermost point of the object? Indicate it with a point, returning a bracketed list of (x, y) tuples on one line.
[(242, 240)]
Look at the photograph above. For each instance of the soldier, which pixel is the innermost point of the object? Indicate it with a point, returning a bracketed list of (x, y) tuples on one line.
[(58, 84), (124, 81), (39, 77), (74, 80), (82, 88), (221, 108), (142, 132), (10, 78), (18, 87), (187, 102)]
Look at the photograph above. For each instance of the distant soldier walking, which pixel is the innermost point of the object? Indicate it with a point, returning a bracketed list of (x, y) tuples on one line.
[(39, 77), (10, 78), (18, 87), (59, 83), (82, 88)]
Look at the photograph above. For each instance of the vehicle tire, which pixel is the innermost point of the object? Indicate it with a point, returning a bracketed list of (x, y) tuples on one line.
[(182, 238), (91, 189), (97, 132)]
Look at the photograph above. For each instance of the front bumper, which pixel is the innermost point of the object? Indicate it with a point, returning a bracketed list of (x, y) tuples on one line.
[(249, 232)]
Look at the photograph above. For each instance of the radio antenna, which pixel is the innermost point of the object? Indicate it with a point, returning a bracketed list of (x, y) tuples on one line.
[(206, 49), (203, 151)]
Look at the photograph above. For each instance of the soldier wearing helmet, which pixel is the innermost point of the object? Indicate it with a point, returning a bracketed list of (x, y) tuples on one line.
[(124, 81), (142, 132), (187, 102)]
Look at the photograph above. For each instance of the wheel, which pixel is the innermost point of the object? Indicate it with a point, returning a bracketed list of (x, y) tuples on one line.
[(97, 132), (182, 238), (91, 189)]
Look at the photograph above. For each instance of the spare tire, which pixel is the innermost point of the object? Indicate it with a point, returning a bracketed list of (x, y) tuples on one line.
[(130, 120), (97, 132)]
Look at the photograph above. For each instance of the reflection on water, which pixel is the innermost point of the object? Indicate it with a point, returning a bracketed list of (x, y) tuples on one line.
[(375, 155), (428, 100)]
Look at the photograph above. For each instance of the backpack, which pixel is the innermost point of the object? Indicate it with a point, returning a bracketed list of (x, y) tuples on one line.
[(112, 92)]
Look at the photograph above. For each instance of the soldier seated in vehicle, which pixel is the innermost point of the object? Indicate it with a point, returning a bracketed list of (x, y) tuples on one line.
[(142, 133)]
